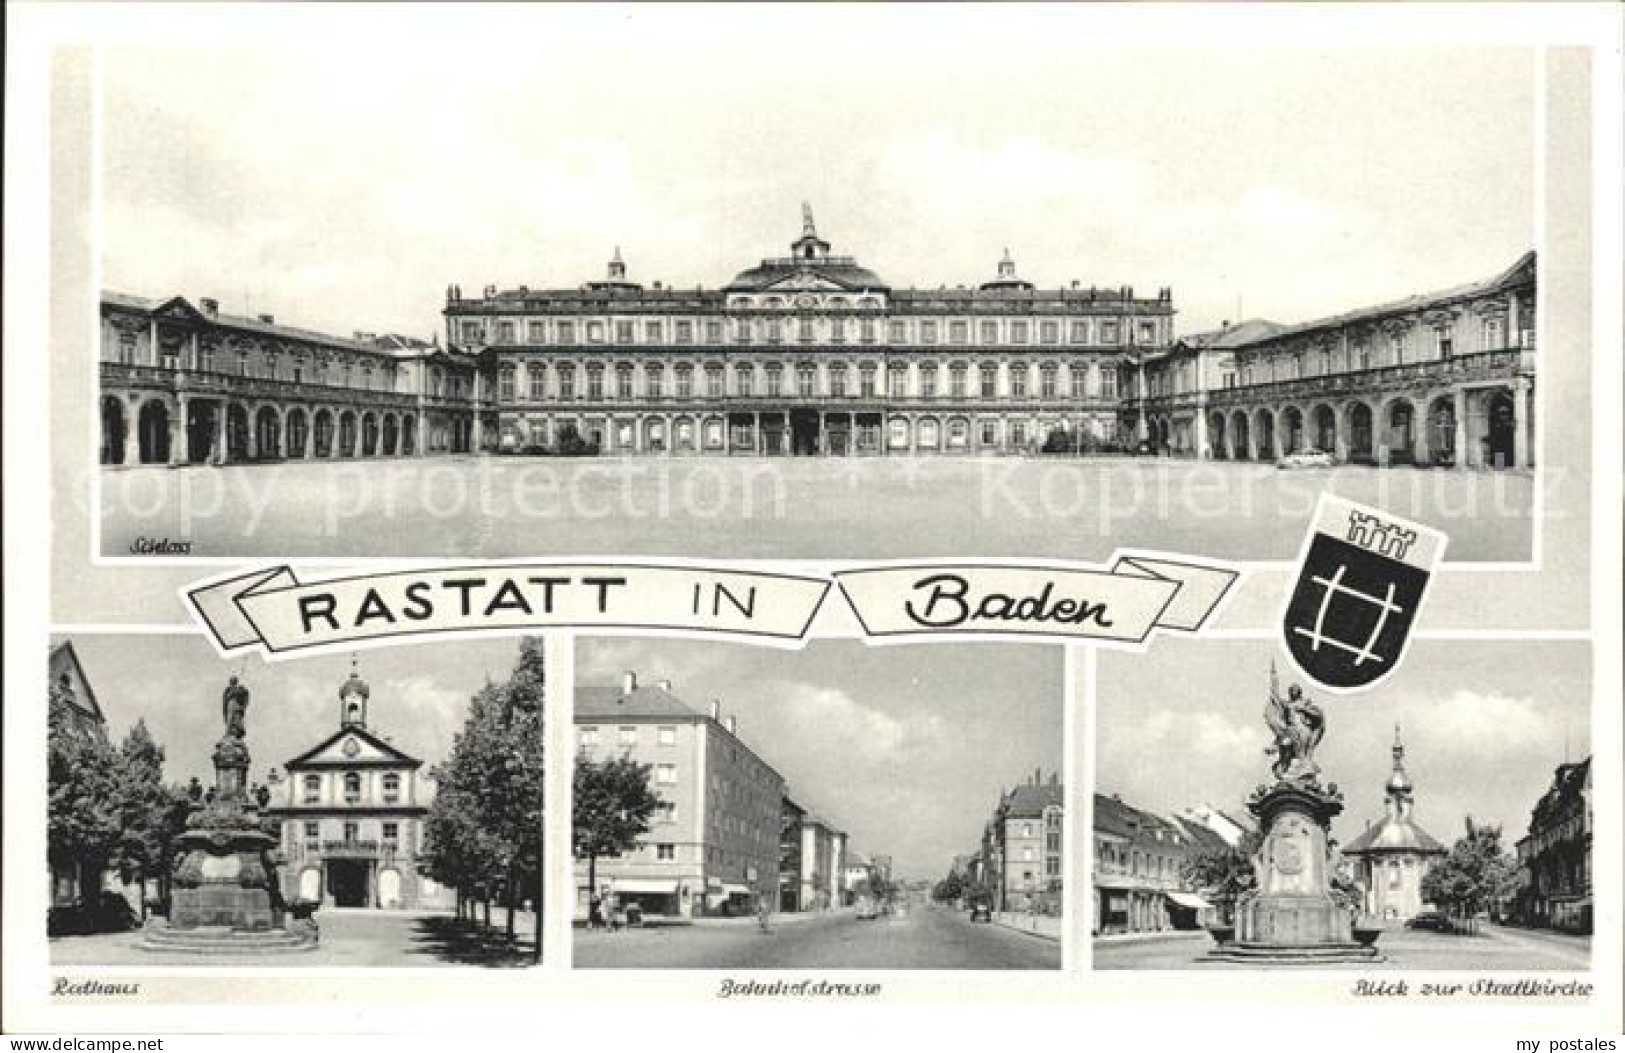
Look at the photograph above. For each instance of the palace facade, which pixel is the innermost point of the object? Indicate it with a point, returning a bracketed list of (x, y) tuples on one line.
[(352, 810), (808, 353), (1444, 378), (184, 384)]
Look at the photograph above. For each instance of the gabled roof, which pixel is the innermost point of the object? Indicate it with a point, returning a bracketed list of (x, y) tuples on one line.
[(1028, 801), (180, 307), (1394, 835), (608, 702), (63, 656), (1248, 332), (387, 754)]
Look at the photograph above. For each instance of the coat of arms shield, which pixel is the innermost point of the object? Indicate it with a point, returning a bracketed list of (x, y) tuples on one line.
[(1361, 581)]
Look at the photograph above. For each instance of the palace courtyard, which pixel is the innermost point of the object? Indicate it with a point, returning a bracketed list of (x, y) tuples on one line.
[(803, 507)]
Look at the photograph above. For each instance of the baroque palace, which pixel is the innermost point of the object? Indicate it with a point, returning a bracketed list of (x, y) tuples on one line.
[(812, 353)]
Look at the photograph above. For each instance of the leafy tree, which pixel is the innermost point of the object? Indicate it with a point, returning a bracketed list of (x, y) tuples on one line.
[(483, 834), (949, 889), (1475, 873), (152, 815), (613, 805), (84, 820), (1225, 873)]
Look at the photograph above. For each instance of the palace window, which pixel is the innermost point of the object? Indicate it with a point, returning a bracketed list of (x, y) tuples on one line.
[(1046, 381), (666, 735), (958, 332), (928, 332), (990, 381), (392, 787), (1018, 433), (1362, 354), (775, 331), (866, 331), (242, 364), (623, 382), (1108, 382), (313, 789), (896, 382), (685, 381), (504, 332), (595, 382), (666, 853), (1108, 332), (1446, 341), (505, 384), (392, 835), (1018, 380), (1396, 349), (713, 382), (654, 380), (665, 812), (298, 366), (685, 332), (665, 775), (742, 331), (775, 381), (1049, 332), (1076, 377), (654, 333), (958, 432), (352, 787), (537, 374), (538, 332), (1325, 360), (623, 332), (745, 379), (205, 355), (866, 381), (352, 832), (1080, 332), (1018, 332), (928, 381), (806, 381), (713, 332), (896, 332), (567, 332), (126, 349), (956, 381), (567, 381), (588, 736), (837, 380), (473, 332), (628, 735), (595, 332), (313, 830), (837, 330), (804, 330), (1494, 334), (1148, 332)]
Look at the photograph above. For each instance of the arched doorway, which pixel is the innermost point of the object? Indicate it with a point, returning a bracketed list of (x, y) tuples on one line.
[(1501, 439), (1325, 429), (152, 433), (390, 435), (1265, 426), (1441, 427), (1292, 417), (114, 429), (298, 432), (1360, 433), (202, 430), (369, 435), (1216, 438), (1401, 437), (409, 434), (322, 433), (929, 434), (347, 434), (267, 433), (1238, 436), (236, 432)]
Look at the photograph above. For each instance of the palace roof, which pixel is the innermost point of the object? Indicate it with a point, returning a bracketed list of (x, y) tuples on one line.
[(179, 307), (842, 271)]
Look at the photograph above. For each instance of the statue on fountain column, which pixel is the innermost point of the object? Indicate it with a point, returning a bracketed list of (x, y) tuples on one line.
[(1298, 724), (234, 709)]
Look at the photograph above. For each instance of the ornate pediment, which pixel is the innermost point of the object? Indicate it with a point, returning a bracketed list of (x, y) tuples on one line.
[(806, 281), (352, 746)]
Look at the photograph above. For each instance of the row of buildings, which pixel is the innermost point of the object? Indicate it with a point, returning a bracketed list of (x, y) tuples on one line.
[(1020, 860), (727, 834), (812, 353), (1554, 857)]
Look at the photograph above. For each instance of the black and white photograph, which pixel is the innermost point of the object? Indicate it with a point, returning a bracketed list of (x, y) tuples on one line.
[(726, 318), (839, 807), (377, 811), (1243, 819)]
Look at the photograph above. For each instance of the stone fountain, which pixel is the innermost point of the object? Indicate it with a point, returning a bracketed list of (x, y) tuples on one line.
[(224, 898), (1294, 914)]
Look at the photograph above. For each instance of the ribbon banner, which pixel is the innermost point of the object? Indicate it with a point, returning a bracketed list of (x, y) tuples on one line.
[(271, 610), (1124, 604)]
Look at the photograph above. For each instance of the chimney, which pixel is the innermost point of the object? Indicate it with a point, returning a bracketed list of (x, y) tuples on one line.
[(716, 709), (629, 682), (732, 724), (268, 319), (211, 306), (362, 337)]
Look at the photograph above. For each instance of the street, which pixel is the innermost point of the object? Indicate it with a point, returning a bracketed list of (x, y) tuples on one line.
[(924, 938), (1494, 947)]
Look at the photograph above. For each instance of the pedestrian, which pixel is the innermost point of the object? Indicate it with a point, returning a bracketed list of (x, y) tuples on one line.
[(595, 912)]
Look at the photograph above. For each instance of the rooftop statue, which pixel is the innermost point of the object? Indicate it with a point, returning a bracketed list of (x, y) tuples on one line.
[(234, 709)]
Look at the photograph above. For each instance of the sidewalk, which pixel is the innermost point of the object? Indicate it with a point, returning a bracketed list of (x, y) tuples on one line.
[(1140, 937), (1046, 928)]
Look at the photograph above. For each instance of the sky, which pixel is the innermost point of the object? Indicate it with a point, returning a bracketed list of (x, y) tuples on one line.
[(419, 700), (343, 187), (1484, 724), (907, 748)]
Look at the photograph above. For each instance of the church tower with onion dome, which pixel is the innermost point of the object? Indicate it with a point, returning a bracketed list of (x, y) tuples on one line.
[(1391, 856)]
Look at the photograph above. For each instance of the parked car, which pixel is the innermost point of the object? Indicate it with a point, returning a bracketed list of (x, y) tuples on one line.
[(1429, 919), (867, 910), (981, 910), (1308, 457)]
